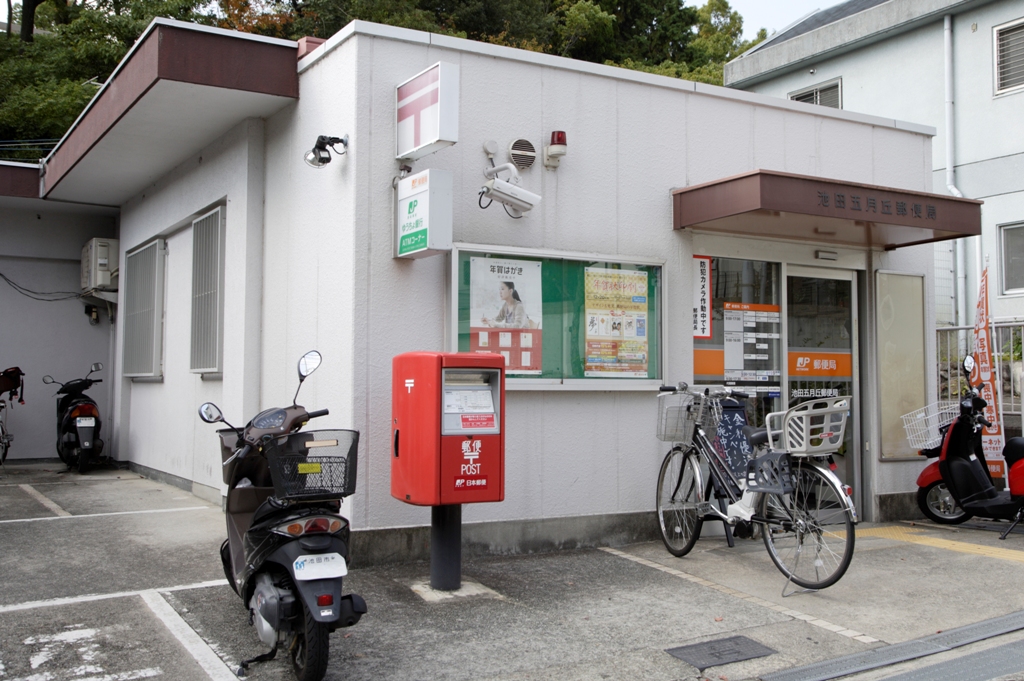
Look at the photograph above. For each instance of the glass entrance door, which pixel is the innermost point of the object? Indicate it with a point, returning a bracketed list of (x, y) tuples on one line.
[(822, 348)]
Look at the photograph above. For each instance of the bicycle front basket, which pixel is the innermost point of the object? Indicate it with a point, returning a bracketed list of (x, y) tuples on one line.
[(314, 464), (677, 414)]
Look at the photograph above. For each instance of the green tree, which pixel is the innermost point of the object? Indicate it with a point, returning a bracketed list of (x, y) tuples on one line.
[(45, 83), (583, 30), (719, 36)]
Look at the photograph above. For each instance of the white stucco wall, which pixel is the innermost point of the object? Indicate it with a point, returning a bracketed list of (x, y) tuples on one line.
[(331, 281), (903, 77), (165, 432), (309, 254), (41, 249)]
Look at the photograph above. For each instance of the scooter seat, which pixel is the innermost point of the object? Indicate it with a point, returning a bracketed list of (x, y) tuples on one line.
[(756, 436)]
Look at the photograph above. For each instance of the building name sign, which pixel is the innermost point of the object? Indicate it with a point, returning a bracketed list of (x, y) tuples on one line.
[(870, 203)]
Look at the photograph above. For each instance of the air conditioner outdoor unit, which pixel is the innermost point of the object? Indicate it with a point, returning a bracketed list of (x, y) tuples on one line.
[(100, 259)]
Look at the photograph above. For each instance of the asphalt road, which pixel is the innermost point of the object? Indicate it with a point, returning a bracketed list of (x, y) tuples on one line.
[(113, 577)]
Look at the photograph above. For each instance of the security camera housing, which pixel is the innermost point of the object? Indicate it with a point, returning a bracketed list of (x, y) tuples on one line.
[(515, 197), (509, 194)]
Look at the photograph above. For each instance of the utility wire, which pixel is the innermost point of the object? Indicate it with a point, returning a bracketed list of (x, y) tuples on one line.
[(44, 296)]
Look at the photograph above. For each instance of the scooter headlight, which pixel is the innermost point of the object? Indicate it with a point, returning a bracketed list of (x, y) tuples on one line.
[(320, 524)]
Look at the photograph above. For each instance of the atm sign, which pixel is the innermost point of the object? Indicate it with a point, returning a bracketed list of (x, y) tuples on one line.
[(478, 420)]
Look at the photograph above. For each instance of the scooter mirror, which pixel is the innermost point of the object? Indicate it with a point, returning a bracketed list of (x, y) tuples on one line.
[(48, 379), (210, 413), (98, 366), (308, 363), (968, 364)]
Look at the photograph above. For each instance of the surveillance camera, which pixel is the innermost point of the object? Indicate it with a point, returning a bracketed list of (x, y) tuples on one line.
[(517, 199)]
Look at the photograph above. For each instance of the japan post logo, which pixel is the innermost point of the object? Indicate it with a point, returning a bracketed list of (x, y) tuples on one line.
[(802, 362), (471, 452)]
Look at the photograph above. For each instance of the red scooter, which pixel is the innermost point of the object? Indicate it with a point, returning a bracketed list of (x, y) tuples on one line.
[(958, 486)]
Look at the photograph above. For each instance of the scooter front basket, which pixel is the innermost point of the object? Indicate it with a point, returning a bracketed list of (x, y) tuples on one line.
[(313, 465)]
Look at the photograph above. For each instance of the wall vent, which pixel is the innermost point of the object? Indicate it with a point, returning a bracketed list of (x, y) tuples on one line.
[(828, 94), (1010, 57), (522, 153), (207, 293), (143, 312)]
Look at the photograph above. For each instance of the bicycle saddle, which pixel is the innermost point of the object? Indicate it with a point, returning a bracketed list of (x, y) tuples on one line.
[(756, 436)]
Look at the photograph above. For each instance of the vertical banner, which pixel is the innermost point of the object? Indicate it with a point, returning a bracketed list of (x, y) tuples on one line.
[(505, 309), (991, 438), (616, 319), (701, 297)]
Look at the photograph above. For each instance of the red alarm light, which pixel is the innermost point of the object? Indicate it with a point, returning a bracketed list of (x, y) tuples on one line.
[(558, 137)]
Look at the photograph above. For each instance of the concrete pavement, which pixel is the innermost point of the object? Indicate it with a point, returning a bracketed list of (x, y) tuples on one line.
[(112, 576)]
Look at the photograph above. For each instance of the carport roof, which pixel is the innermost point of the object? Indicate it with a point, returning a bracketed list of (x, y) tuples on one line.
[(778, 205), (179, 88), (19, 180)]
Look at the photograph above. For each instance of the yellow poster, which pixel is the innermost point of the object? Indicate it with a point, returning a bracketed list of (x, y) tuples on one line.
[(616, 323)]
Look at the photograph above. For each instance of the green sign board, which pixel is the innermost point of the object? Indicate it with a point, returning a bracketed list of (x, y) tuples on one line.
[(423, 223)]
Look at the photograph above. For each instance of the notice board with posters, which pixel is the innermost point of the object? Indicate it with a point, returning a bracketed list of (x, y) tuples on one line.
[(559, 318)]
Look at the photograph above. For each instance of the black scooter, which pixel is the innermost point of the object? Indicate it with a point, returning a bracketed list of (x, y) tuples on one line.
[(288, 546), (78, 421)]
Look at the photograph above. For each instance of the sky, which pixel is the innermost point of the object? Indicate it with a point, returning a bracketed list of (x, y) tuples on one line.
[(774, 15)]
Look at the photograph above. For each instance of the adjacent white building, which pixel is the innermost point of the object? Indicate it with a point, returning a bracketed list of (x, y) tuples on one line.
[(237, 257), (954, 65)]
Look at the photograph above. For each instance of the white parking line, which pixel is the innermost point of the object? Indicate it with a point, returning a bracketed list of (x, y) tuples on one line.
[(32, 605), (45, 501), (193, 642), (795, 614), (101, 515)]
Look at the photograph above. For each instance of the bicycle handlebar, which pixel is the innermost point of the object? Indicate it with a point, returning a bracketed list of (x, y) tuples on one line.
[(718, 393)]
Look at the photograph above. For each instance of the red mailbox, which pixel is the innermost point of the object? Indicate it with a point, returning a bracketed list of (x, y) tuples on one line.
[(447, 428)]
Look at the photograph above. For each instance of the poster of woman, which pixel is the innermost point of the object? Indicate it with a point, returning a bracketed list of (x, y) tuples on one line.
[(505, 311)]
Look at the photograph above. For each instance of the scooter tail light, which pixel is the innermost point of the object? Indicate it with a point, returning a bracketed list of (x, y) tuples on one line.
[(325, 599), (85, 410), (318, 525), (313, 525)]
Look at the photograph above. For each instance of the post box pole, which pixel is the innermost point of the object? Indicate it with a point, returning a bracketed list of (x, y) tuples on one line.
[(446, 547)]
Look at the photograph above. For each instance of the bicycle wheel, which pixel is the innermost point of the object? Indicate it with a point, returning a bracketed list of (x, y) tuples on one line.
[(809, 533), (5, 442), (680, 489)]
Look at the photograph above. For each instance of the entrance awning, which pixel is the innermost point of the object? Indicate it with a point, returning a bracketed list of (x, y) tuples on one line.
[(771, 204)]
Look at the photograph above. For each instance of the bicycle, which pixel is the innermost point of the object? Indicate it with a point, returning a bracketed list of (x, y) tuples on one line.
[(805, 514), (11, 380)]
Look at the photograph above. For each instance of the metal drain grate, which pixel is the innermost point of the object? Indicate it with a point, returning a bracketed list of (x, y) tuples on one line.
[(901, 652), (719, 652), (961, 636), (981, 666), (851, 664)]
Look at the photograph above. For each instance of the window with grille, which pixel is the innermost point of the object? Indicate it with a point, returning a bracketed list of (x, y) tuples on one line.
[(1012, 251), (1009, 42), (143, 315), (824, 94), (207, 292)]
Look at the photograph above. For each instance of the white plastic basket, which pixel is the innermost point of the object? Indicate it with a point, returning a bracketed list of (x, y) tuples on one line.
[(922, 425), (810, 428)]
